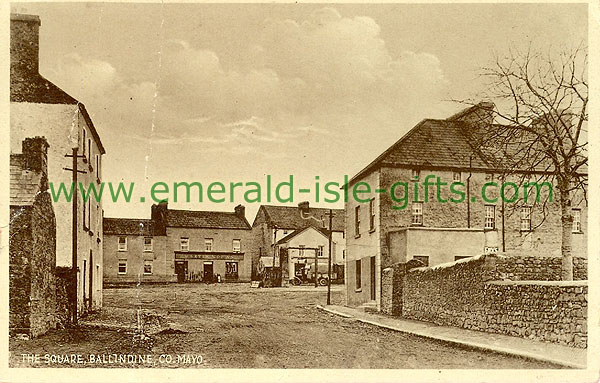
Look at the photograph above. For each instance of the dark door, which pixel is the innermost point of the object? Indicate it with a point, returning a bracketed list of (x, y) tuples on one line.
[(372, 278), (208, 272), (180, 270), (91, 279), (83, 280)]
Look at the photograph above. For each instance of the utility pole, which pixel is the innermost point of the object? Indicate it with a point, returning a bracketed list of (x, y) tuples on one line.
[(74, 171), (274, 254), (317, 267), (329, 261)]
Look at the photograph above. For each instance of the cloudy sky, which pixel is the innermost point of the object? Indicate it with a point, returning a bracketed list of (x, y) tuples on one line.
[(214, 92)]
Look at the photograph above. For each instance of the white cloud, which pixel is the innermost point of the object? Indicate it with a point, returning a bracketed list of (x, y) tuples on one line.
[(325, 90)]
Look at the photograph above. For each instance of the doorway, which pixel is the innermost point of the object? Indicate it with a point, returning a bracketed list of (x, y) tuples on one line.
[(208, 272), (83, 280), (372, 278), (91, 280), (181, 268)]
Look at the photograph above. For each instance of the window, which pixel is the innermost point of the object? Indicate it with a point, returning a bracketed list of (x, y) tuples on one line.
[(417, 213), (90, 150), (576, 220), (97, 166), (122, 266), (89, 212), (422, 258), (83, 141), (525, 218), (237, 245), (185, 244), (122, 244), (320, 251), (147, 267), (84, 212), (358, 275), (357, 221), (490, 217), (208, 244), (372, 214), (415, 174), (148, 244), (343, 254), (456, 177), (285, 232), (231, 270), (301, 250), (489, 177)]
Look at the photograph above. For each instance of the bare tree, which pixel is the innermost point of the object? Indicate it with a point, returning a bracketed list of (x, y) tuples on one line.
[(540, 127)]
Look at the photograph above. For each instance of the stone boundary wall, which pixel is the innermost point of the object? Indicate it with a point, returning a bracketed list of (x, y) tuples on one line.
[(530, 268), (549, 311), (391, 289), (489, 293), (63, 296)]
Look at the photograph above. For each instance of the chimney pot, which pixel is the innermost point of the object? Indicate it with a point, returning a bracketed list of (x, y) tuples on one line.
[(304, 206)]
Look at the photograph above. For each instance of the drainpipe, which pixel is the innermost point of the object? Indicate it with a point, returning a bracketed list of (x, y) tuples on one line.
[(469, 194)]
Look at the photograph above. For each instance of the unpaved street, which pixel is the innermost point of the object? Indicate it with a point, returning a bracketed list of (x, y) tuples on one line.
[(234, 326)]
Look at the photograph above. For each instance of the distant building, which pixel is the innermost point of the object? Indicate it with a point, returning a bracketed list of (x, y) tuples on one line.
[(40, 108), (297, 252), (382, 231), (273, 223), (32, 247), (135, 251), (178, 246)]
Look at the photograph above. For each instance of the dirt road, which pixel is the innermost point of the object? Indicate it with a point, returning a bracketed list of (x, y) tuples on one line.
[(235, 326)]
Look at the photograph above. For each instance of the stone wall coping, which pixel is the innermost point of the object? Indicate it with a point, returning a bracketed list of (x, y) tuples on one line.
[(450, 264), (540, 283)]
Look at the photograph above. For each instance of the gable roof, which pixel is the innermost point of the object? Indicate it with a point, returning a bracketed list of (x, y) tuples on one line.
[(206, 219), (24, 184), (127, 226), (295, 233), (36, 89), (288, 217), (462, 143)]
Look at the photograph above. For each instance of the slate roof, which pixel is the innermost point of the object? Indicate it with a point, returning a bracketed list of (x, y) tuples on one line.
[(300, 231), (456, 144), (128, 226), (38, 90), (24, 184), (206, 219), (288, 217)]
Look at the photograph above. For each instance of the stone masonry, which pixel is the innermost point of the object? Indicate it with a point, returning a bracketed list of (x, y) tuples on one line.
[(493, 293)]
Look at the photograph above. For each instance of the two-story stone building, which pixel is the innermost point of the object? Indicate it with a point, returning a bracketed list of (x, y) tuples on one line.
[(178, 246), (40, 108), (420, 222)]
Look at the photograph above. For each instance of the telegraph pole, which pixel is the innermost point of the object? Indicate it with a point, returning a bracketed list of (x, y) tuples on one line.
[(329, 260), (74, 171)]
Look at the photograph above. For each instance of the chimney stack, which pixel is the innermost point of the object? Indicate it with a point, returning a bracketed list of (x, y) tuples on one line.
[(240, 211), (35, 152), (158, 214), (304, 206), (24, 45), (480, 114)]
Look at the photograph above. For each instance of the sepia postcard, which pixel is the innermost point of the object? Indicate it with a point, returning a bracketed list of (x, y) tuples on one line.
[(299, 192)]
